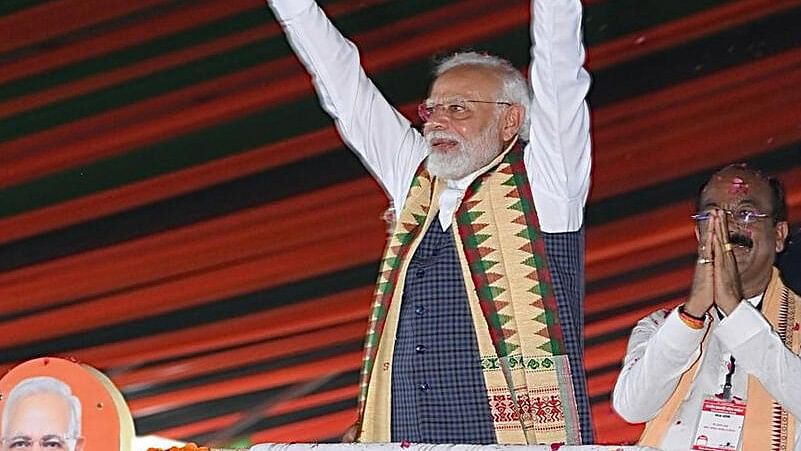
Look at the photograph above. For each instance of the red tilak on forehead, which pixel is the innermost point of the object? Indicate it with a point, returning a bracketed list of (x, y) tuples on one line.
[(738, 186)]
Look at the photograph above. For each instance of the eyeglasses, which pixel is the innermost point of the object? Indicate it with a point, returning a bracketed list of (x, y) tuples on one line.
[(51, 441), (742, 216), (453, 108)]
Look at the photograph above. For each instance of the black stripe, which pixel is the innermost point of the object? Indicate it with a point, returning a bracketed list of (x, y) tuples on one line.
[(731, 47), (603, 397), (231, 60), (316, 172), (105, 99), (226, 198), (245, 370), (622, 279), (609, 336), (626, 330), (232, 404), (93, 30), (612, 19), (398, 84), (296, 416), (232, 137), (12, 6), (686, 187), (238, 306), (614, 367)]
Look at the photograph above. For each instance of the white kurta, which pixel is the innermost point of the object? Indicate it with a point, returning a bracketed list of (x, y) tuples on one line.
[(662, 348), (557, 159)]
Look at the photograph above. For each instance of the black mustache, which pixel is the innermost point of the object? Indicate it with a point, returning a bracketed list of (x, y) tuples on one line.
[(739, 239)]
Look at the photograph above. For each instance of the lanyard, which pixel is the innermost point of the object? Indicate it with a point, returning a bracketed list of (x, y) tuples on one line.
[(727, 386)]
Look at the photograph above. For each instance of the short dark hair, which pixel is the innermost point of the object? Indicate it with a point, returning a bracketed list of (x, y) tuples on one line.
[(777, 198)]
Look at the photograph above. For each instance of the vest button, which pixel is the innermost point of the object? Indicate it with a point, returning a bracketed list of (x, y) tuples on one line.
[(420, 349), (424, 387), (419, 310)]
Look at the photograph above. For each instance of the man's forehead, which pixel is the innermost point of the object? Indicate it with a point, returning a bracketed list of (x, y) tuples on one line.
[(466, 81), (736, 186), (48, 408)]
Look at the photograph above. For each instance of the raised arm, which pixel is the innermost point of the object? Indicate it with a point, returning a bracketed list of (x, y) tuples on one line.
[(660, 350), (558, 157), (378, 133)]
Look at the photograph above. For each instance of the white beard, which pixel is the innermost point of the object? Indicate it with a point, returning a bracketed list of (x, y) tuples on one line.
[(469, 157)]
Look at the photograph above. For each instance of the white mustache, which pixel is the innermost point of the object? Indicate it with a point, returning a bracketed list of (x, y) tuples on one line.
[(440, 134)]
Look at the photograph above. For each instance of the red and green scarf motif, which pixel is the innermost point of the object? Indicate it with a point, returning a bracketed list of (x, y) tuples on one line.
[(481, 268), (501, 247)]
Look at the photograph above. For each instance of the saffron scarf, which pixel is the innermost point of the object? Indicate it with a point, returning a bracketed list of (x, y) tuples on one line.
[(767, 425), (514, 311)]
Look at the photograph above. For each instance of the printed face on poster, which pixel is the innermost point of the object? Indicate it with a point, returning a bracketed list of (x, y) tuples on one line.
[(56, 404)]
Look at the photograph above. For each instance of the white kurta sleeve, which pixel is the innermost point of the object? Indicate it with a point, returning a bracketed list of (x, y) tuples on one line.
[(558, 157), (382, 137), (759, 351), (661, 348)]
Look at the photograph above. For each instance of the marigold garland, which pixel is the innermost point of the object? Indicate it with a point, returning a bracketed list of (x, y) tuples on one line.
[(188, 447)]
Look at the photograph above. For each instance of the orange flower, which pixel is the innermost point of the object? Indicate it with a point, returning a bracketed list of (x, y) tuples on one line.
[(188, 447)]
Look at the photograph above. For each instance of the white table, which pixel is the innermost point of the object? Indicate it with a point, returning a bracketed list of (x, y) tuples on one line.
[(429, 447)]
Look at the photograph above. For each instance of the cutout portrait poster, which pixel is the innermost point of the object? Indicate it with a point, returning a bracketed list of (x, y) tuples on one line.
[(62, 405)]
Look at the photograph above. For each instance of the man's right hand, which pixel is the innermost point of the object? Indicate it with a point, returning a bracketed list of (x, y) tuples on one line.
[(702, 292), (351, 434)]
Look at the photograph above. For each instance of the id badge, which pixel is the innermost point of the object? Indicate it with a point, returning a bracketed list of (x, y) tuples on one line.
[(720, 425)]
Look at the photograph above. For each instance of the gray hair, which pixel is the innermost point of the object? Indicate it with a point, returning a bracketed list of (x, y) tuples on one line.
[(45, 384), (514, 88)]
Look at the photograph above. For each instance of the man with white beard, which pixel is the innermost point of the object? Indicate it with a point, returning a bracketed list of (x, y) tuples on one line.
[(476, 332)]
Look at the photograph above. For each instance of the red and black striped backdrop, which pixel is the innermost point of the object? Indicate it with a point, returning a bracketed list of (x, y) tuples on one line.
[(177, 210)]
